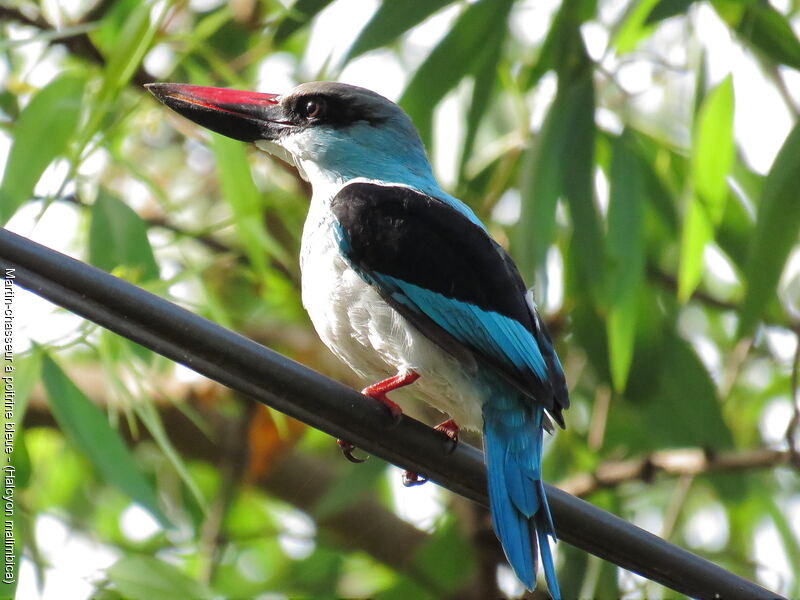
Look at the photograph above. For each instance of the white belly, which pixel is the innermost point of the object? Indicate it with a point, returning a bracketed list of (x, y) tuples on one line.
[(374, 339)]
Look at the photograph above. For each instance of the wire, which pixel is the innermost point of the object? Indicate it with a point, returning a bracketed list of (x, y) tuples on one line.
[(273, 379)]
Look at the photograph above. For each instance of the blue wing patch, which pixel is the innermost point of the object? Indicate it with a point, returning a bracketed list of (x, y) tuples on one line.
[(492, 334)]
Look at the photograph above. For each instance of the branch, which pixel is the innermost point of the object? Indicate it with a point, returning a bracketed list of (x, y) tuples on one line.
[(291, 388), (668, 280), (691, 461)]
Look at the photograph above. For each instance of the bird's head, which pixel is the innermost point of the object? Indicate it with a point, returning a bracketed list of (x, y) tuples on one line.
[(332, 132)]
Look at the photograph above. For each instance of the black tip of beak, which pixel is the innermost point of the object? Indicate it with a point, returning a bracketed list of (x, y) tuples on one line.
[(244, 116), (160, 90)]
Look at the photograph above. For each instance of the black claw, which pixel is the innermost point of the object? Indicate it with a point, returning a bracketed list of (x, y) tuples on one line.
[(412, 479), (347, 451)]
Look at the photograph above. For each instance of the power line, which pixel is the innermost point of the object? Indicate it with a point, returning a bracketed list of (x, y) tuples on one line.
[(273, 379)]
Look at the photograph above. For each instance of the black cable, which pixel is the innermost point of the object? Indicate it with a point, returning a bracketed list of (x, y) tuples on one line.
[(285, 385)]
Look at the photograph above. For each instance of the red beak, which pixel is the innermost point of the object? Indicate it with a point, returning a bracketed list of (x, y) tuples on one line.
[(245, 116)]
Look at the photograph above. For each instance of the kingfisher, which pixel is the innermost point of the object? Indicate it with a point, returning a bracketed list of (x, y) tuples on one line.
[(405, 285)]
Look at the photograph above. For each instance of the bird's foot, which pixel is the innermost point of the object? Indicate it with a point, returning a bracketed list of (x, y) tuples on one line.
[(347, 451), (411, 479), (379, 390), (450, 428)]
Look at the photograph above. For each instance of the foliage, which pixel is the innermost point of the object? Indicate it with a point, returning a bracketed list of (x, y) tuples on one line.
[(663, 242)]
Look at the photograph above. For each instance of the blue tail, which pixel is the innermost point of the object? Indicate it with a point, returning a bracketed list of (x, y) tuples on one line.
[(513, 441)]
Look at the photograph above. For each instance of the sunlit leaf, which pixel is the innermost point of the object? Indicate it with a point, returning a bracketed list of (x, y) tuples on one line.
[(125, 55), (455, 56), (711, 162), (147, 578), (118, 238), (391, 20), (625, 244), (243, 196), (714, 149), (88, 429), (697, 231), (635, 26), (776, 231), (41, 134), (113, 21)]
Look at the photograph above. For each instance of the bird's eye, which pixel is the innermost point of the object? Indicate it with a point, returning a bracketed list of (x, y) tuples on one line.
[(313, 109)]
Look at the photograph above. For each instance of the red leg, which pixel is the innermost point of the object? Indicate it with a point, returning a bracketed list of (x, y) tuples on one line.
[(378, 391)]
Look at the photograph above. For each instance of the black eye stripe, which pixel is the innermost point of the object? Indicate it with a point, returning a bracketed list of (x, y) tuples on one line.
[(317, 109)]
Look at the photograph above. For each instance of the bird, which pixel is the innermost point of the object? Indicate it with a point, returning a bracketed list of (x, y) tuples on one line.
[(406, 285)]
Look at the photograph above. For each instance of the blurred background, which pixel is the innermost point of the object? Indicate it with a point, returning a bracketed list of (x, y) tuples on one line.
[(639, 159)]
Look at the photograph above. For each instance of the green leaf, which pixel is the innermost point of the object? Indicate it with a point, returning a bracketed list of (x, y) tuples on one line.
[(697, 231), (677, 407), (447, 557), (634, 27), (540, 189), (118, 238), (241, 193), (126, 54), (23, 373), (776, 231), (453, 58), (147, 578), (347, 490), (483, 86), (736, 228), (770, 32), (87, 428), (130, 47), (389, 22), (791, 544), (562, 165), (666, 9), (714, 149), (319, 574), (687, 401), (711, 161), (625, 245), (41, 134), (577, 160), (298, 15), (114, 19)]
